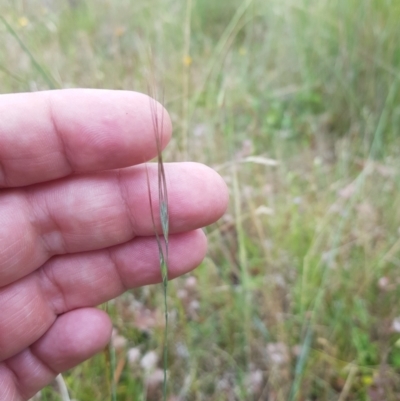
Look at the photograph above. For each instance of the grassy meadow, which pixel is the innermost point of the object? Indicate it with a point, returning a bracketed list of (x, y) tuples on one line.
[(297, 105)]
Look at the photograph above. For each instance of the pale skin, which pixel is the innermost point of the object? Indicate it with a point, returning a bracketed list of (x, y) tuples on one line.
[(75, 223)]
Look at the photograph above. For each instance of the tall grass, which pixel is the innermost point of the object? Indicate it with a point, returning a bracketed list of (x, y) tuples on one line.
[(296, 104)]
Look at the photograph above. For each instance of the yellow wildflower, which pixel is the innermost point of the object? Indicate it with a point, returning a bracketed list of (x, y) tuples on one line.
[(23, 22), (367, 380), (187, 61)]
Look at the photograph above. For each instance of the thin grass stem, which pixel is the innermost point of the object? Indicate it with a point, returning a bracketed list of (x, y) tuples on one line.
[(164, 219), (45, 75), (62, 387), (113, 385)]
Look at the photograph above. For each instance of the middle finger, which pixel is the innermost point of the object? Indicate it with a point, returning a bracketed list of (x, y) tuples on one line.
[(87, 212)]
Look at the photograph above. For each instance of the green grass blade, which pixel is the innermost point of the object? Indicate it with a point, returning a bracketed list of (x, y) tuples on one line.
[(45, 75)]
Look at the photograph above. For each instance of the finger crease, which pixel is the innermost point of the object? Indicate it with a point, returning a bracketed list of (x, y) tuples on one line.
[(45, 365), (62, 143), (14, 375), (3, 176), (62, 248), (53, 291), (18, 380), (114, 263), (124, 200)]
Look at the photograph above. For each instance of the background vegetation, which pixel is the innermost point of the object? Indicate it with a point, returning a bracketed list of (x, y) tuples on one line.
[(296, 104)]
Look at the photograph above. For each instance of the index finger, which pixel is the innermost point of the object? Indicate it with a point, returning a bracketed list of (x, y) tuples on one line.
[(48, 135)]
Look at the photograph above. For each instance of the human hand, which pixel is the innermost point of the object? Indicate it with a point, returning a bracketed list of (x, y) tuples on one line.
[(75, 223)]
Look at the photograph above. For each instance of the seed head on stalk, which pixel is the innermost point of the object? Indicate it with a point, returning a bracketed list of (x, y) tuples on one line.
[(164, 219)]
